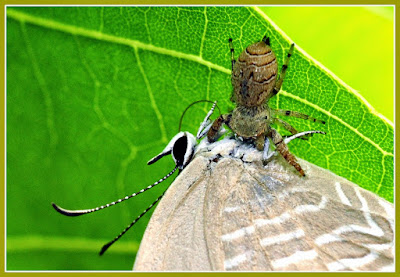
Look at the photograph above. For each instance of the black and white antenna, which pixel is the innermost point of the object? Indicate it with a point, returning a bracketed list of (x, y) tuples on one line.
[(181, 147)]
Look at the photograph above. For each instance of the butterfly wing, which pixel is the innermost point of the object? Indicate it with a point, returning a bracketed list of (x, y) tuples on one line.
[(174, 239), (272, 219), (229, 213)]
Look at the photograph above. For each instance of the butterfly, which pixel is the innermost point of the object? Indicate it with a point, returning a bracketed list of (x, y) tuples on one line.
[(229, 212)]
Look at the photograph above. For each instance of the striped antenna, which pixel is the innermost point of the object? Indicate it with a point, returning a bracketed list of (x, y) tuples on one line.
[(206, 124), (106, 246), (195, 102), (81, 212)]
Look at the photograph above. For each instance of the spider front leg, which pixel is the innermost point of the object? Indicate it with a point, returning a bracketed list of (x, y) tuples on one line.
[(213, 132), (279, 82), (283, 149)]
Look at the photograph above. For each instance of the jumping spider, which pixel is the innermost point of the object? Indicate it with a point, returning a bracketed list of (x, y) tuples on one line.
[(254, 82)]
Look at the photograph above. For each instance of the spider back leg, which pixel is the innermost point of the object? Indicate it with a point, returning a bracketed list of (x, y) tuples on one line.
[(279, 82)]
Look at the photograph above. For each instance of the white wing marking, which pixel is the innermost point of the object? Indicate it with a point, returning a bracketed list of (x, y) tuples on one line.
[(237, 260), (341, 194), (294, 258), (378, 247), (276, 220), (282, 237), (388, 268), (374, 230), (288, 193), (327, 238), (352, 263), (388, 209), (231, 209), (298, 189), (311, 208), (390, 213), (238, 233)]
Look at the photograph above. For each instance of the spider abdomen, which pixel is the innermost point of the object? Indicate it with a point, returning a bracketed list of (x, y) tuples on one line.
[(254, 75)]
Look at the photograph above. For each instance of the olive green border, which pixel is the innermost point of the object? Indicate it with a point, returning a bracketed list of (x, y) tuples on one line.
[(179, 2)]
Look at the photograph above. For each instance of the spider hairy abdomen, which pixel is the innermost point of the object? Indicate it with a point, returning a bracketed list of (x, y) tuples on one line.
[(254, 75)]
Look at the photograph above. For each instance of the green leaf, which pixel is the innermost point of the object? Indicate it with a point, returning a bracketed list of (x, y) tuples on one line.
[(340, 45), (94, 93)]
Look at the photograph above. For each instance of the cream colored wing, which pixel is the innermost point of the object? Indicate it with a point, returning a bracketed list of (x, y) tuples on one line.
[(175, 236), (228, 212)]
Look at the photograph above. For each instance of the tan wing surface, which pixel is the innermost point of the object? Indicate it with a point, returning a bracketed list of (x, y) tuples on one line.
[(229, 213)]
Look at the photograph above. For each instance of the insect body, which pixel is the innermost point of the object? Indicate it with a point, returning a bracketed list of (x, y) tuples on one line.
[(254, 81)]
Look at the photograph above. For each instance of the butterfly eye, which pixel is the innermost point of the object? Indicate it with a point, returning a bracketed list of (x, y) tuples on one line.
[(183, 150), (181, 146)]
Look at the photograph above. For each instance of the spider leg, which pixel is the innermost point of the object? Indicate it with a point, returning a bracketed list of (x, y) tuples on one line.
[(233, 61), (279, 82), (268, 154), (296, 114), (288, 127), (213, 132), (260, 142), (283, 149)]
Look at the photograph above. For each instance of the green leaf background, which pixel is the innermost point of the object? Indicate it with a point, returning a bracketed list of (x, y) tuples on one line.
[(94, 93)]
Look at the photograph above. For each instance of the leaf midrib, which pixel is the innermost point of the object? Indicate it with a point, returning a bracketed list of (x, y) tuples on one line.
[(74, 30), (73, 244), (385, 153)]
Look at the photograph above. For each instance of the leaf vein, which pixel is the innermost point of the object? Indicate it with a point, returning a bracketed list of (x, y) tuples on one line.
[(151, 96), (79, 31), (203, 38), (53, 136), (304, 101)]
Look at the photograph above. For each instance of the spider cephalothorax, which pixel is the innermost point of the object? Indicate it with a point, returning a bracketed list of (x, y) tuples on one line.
[(254, 81)]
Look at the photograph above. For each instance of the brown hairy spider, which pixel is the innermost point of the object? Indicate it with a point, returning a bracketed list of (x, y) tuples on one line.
[(254, 82)]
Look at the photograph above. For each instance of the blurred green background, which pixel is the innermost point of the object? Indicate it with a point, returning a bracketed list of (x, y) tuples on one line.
[(355, 43)]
